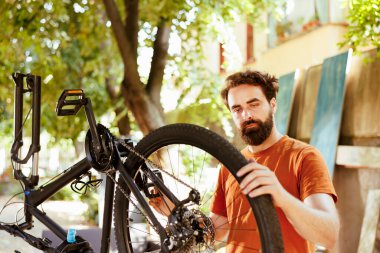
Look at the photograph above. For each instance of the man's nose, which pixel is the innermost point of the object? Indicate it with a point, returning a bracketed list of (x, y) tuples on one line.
[(247, 114)]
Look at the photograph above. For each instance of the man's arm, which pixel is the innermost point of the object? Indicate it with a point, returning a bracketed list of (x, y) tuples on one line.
[(315, 219), (161, 204), (221, 227)]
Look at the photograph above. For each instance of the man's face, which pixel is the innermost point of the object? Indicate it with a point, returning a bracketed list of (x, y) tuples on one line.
[(252, 113)]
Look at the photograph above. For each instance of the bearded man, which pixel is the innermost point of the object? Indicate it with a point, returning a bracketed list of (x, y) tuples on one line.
[(292, 172)]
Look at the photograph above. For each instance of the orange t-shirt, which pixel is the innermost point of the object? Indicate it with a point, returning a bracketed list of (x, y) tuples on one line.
[(300, 169)]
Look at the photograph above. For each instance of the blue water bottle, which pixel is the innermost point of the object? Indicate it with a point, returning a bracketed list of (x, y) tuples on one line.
[(71, 235)]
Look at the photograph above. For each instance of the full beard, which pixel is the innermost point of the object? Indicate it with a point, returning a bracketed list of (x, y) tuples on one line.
[(256, 136)]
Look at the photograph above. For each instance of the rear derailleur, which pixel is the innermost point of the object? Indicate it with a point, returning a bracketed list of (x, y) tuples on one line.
[(188, 229)]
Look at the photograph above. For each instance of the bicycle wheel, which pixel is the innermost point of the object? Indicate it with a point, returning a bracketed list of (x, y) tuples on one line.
[(192, 154)]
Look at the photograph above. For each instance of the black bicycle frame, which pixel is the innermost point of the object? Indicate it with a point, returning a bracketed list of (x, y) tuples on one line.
[(35, 196)]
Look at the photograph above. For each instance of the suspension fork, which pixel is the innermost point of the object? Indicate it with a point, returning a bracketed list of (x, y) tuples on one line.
[(33, 85)]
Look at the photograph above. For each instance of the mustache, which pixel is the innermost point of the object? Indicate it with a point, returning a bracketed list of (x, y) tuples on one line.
[(251, 121)]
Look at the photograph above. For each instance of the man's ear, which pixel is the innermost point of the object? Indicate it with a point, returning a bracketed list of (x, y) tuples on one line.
[(273, 104)]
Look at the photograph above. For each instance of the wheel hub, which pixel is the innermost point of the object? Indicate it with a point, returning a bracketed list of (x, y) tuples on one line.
[(190, 231)]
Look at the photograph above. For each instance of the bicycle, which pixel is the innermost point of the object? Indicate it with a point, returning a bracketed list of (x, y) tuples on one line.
[(134, 175)]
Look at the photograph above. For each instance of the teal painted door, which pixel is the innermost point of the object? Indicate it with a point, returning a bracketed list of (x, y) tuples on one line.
[(328, 115), (284, 102)]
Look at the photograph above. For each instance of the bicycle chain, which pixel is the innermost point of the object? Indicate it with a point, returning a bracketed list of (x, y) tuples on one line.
[(127, 196), (154, 164)]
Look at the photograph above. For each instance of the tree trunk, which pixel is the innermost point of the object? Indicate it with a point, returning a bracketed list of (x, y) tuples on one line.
[(142, 102), (147, 115), (160, 49)]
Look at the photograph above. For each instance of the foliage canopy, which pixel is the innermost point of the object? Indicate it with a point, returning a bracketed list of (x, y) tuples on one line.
[(364, 25), (74, 44)]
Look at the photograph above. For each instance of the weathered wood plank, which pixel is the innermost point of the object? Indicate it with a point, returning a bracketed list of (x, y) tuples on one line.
[(370, 223)]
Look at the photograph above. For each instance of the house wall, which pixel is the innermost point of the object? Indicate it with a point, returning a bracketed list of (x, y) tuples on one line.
[(300, 51)]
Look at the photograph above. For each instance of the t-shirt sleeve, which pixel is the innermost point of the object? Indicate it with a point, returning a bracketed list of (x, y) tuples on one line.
[(314, 176), (218, 201)]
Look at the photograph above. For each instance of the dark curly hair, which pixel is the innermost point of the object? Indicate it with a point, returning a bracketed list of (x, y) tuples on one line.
[(268, 83)]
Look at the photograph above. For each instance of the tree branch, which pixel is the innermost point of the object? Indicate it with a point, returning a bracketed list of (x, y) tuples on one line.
[(145, 113), (123, 123), (132, 25), (110, 89), (124, 45), (160, 52)]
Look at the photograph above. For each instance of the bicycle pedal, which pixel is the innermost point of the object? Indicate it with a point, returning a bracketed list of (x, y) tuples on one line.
[(70, 102)]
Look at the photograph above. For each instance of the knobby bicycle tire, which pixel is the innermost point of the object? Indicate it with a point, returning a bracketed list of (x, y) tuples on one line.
[(212, 143)]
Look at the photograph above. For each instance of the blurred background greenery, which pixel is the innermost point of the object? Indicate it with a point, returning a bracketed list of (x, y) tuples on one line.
[(128, 57), (141, 62)]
